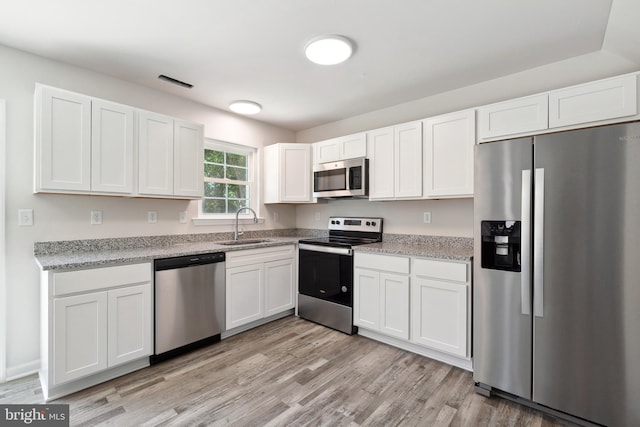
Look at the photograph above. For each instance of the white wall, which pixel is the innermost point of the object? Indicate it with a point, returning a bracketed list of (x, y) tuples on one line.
[(449, 217), (64, 217)]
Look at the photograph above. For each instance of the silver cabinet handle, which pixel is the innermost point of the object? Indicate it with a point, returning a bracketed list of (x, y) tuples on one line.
[(538, 245), (525, 245)]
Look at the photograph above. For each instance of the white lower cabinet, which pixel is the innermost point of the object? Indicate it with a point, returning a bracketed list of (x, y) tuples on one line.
[(381, 294), (94, 322), (422, 304), (439, 315), (440, 309), (259, 283)]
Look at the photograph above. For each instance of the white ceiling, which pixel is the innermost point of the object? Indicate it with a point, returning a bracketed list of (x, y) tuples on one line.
[(253, 49)]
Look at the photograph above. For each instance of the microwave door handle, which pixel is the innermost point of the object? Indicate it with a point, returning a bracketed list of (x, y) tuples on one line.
[(347, 184)]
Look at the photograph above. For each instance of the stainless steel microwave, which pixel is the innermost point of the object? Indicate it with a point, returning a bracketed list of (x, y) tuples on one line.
[(347, 178)]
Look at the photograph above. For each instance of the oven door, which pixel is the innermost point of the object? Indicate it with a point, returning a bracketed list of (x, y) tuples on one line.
[(326, 272)]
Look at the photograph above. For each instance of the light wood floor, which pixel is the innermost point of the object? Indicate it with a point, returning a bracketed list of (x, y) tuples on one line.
[(289, 372)]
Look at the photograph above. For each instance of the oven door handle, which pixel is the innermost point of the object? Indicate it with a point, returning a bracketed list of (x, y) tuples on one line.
[(325, 249)]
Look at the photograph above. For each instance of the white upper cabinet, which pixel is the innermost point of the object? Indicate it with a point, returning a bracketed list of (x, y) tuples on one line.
[(287, 173), (448, 154), (522, 115), (395, 162), (601, 100), (155, 154), (86, 145), (341, 148), (63, 140), (188, 159), (170, 156), (111, 147)]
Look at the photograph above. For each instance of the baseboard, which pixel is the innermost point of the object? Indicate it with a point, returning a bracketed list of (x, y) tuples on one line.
[(30, 368)]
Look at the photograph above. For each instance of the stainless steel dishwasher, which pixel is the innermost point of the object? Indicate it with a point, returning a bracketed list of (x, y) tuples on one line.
[(189, 303)]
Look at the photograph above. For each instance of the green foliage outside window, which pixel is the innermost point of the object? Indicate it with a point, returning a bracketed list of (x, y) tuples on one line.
[(226, 186)]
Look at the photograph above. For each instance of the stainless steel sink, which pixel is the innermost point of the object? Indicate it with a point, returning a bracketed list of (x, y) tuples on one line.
[(243, 242)]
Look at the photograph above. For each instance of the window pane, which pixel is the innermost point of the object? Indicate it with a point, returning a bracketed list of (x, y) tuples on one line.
[(214, 206), (214, 189), (236, 160), (235, 204), (237, 174), (237, 191), (213, 156), (213, 171)]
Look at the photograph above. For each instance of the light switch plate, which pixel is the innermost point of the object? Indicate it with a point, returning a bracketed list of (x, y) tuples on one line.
[(183, 217), (427, 217), (152, 217)]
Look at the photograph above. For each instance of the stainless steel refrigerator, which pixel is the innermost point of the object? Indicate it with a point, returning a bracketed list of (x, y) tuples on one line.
[(556, 291)]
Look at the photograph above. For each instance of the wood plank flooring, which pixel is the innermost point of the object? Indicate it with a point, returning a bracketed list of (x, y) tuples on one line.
[(289, 373)]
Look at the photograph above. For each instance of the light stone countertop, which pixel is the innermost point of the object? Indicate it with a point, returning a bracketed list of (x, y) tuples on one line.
[(455, 253), (79, 254)]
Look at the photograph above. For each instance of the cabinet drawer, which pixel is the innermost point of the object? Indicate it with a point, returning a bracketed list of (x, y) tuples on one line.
[(257, 256), (444, 270), (394, 264), (69, 282)]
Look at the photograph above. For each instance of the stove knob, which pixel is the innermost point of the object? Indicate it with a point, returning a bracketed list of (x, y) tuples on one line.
[(368, 223), (337, 222), (345, 289), (333, 222), (373, 223)]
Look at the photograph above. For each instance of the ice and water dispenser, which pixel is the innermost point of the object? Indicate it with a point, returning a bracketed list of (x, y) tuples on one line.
[(500, 245)]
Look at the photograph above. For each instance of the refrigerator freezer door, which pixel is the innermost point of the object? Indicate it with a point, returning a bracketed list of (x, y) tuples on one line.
[(501, 332), (587, 342)]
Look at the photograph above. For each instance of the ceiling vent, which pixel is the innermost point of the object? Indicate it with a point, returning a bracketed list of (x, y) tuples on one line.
[(175, 81)]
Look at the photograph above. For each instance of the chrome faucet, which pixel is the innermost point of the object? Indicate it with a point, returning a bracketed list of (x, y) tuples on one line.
[(255, 220)]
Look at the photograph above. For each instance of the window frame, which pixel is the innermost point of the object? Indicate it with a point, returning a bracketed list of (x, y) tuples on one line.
[(252, 180)]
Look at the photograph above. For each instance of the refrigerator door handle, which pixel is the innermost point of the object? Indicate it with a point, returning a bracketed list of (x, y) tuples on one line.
[(525, 247), (538, 244)]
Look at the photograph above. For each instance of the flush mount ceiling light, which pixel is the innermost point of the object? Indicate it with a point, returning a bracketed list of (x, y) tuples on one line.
[(245, 107), (328, 50)]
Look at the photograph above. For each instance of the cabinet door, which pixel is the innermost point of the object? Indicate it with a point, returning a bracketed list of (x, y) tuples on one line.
[(366, 299), (295, 173), (188, 161), (353, 146), (278, 286), (439, 315), (394, 305), (244, 297), (111, 147), (591, 102), (79, 336), (381, 163), (327, 151), (522, 115), (408, 160), (129, 324), (448, 155), (155, 159), (63, 152)]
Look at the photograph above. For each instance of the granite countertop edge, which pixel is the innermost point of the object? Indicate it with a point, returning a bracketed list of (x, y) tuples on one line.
[(89, 259), (80, 254), (452, 253)]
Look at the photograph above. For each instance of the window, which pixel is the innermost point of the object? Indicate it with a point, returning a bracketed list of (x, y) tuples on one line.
[(229, 181)]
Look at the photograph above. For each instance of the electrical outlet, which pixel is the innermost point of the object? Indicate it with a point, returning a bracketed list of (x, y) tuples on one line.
[(96, 217), (152, 217), (183, 217), (276, 216), (427, 217), (317, 216), (25, 217)]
